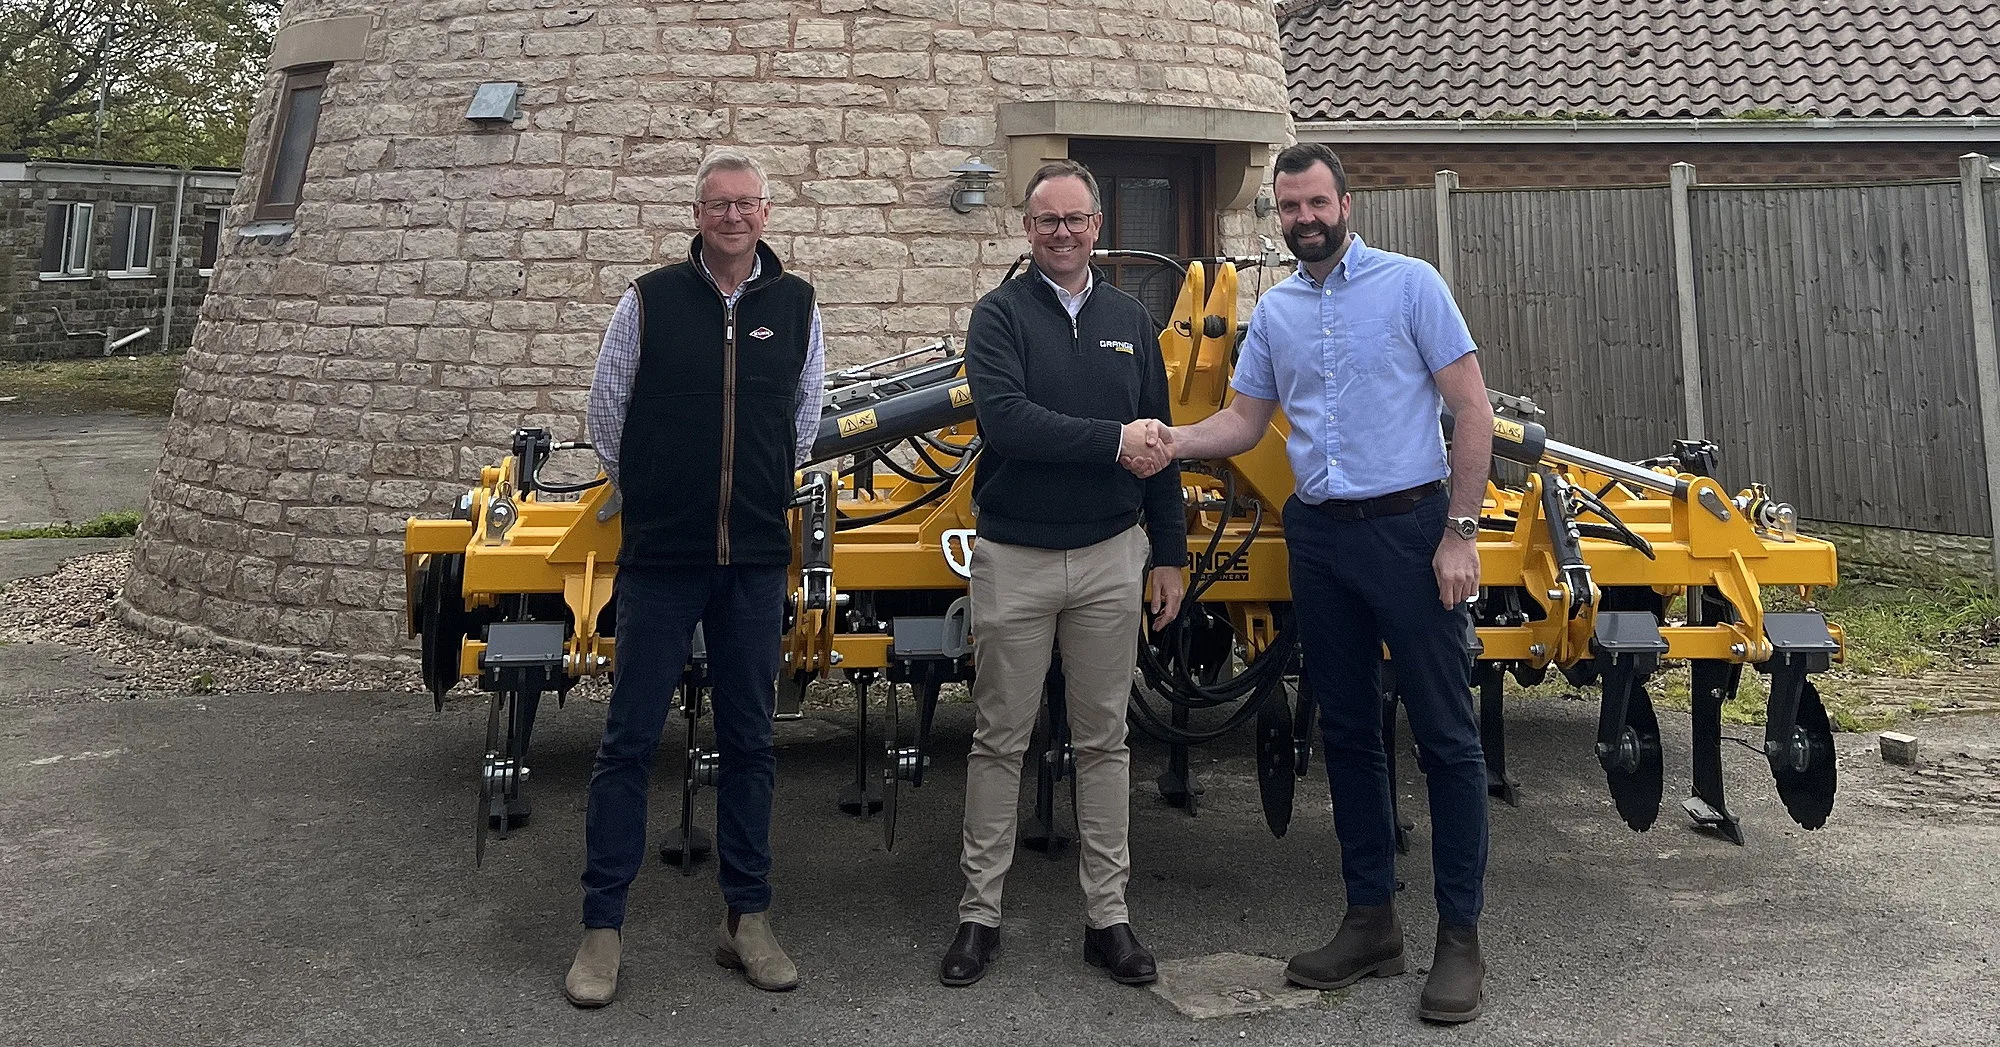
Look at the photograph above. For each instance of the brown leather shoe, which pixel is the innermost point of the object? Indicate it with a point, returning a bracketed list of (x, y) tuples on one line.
[(1456, 990), (1369, 942), (593, 976), (973, 948), (1117, 949), (750, 947)]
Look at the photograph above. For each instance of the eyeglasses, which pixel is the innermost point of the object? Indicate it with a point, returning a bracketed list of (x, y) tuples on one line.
[(1076, 223), (718, 208)]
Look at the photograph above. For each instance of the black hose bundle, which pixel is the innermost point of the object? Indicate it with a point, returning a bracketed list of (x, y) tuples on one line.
[(940, 482), (1257, 683), (1170, 674)]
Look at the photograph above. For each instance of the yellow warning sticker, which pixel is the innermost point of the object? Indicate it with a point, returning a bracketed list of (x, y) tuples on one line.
[(858, 422), (1509, 429), (961, 395)]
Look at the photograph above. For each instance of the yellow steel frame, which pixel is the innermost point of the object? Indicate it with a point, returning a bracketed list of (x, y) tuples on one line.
[(561, 546)]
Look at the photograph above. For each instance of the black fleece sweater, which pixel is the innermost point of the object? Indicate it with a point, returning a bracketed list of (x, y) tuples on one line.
[(1051, 396)]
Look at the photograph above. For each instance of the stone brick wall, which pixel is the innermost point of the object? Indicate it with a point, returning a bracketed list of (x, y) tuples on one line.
[(1888, 554), (446, 283), (34, 311), (1372, 166)]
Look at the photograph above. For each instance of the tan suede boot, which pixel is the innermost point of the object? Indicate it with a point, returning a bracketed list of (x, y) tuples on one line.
[(593, 977), (753, 950)]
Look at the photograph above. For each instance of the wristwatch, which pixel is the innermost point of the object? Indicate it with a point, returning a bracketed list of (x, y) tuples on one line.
[(1466, 527)]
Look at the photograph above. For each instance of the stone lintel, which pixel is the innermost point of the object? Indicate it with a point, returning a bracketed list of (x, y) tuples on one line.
[(1038, 132), (320, 41)]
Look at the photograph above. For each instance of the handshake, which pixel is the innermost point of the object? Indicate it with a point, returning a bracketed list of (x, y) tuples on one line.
[(1145, 446)]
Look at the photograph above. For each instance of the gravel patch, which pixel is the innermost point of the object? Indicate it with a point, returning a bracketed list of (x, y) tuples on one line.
[(72, 609), (68, 619)]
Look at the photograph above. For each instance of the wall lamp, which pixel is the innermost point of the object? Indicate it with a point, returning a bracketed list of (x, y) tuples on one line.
[(973, 180), (495, 103)]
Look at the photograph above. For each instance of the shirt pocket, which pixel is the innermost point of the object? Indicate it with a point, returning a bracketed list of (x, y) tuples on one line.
[(1372, 345)]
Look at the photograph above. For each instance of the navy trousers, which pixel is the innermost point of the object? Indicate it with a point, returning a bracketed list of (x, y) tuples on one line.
[(1357, 584), (741, 609)]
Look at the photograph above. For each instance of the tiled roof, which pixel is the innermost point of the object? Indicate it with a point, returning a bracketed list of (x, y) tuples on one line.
[(1640, 59)]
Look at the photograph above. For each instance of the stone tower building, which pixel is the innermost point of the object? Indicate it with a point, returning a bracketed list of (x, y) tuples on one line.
[(422, 257)]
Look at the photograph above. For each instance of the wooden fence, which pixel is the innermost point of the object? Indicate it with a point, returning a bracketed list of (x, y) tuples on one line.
[(1840, 338)]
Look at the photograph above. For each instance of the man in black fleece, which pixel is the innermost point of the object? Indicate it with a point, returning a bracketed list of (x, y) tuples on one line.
[(1066, 377)]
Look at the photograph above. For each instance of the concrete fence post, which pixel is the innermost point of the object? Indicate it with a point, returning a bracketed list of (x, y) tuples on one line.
[(1973, 170), (1694, 417), (1443, 184)]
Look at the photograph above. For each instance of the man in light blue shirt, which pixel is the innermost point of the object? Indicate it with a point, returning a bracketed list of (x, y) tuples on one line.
[(1362, 348)]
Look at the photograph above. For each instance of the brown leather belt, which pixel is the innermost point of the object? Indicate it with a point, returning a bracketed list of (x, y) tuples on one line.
[(1387, 505)]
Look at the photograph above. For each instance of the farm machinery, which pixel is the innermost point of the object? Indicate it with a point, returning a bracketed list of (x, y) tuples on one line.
[(1592, 567)]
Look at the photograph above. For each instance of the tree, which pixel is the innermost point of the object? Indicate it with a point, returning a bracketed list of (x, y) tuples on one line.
[(176, 78)]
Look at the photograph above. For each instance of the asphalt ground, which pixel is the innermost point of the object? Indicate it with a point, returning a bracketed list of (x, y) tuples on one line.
[(68, 468), (298, 869), (34, 557)]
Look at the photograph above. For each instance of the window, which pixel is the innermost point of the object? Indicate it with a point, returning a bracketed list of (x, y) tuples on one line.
[(292, 133), (131, 240), (1159, 197), (211, 240), (66, 241)]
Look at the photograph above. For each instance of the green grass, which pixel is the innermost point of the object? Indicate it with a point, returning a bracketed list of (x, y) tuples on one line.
[(145, 384), (1894, 635), (1897, 631), (110, 525)]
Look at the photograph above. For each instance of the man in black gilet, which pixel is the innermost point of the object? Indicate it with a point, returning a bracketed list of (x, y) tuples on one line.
[(705, 400)]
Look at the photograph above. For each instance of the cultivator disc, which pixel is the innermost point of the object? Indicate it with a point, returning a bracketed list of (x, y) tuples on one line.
[(1635, 768), (1277, 759), (443, 623), (1803, 763)]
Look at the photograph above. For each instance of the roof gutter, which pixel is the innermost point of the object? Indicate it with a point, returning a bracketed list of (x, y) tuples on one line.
[(1953, 129)]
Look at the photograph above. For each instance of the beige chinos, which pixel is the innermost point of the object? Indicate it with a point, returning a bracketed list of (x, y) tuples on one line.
[(1089, 601)]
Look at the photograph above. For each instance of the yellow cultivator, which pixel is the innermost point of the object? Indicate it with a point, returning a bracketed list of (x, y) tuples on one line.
[(1594, 567)]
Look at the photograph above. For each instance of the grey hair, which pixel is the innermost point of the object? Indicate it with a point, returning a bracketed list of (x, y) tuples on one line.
[(729, 160)]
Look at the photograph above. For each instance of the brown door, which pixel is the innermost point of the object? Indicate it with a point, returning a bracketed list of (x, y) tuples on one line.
[(1159, 197)]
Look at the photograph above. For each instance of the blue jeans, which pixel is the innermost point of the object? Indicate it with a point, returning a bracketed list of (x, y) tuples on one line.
[(1357, 584), (742, 610)]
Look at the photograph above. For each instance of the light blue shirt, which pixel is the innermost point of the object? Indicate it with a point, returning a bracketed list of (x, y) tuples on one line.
[(1350, 363)]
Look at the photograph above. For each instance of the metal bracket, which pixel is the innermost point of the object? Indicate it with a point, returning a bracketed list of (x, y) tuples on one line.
[(1800, 638), (948, 636), (523, 645), (1628, 633)]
